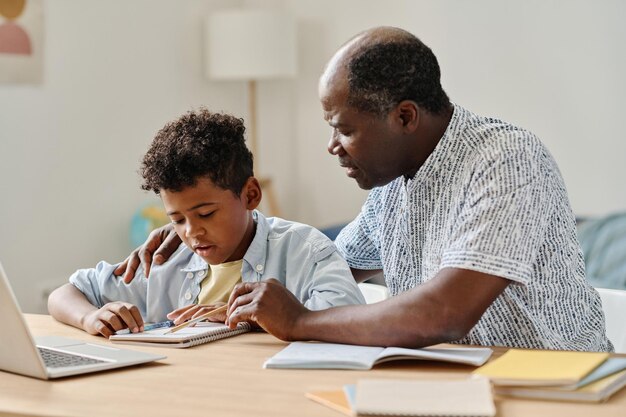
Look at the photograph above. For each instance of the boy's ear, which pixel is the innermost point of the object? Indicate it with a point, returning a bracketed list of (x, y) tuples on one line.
[(252, 193)]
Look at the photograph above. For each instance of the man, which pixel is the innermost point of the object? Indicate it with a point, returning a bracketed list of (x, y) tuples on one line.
[(468, 219)]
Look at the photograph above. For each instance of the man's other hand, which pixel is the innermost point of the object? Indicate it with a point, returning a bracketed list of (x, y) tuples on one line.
[(161, 244)]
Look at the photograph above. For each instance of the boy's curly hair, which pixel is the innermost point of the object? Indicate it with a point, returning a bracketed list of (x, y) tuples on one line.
[(198, 144)]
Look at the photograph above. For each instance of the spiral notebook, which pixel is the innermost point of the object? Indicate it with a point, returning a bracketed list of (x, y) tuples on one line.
[(203, 332)]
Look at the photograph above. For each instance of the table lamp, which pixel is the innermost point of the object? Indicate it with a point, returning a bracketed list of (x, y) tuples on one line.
[(251, 45)]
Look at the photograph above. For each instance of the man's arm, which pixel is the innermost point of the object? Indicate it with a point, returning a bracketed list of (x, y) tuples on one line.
[(161, 244), (442, 310)]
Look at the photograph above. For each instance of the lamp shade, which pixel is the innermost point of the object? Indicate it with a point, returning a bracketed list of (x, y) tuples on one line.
[(250, 45)]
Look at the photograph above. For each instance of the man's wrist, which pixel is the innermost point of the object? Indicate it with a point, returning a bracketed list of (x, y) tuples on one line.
[(302, 326)]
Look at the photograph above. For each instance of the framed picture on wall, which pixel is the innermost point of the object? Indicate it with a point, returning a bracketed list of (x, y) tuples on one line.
[(21, 41)]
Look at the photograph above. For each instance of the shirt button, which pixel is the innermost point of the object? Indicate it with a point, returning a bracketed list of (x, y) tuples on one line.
[(201, 274), (187, 296), (189, 275), (259, 268)]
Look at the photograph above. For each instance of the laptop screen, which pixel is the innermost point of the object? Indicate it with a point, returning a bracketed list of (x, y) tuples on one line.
[(18, 352)]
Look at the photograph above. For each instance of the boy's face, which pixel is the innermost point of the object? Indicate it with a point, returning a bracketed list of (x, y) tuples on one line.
[(213, 222)]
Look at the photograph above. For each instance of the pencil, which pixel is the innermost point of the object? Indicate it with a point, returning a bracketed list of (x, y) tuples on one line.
[(197, 319), (168, 323)]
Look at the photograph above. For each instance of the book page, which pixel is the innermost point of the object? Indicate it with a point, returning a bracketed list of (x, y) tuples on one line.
[(464, 355)]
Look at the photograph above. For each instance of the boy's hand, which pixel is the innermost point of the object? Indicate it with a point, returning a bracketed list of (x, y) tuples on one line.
[(192, 311), (111, 318), (268, 304), (161, 244)]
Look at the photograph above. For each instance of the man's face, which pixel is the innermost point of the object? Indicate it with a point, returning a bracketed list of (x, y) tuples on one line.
[(366, 144), (211, 221)]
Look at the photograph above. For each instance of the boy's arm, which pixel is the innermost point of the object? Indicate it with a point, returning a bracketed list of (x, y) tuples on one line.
[(68, 305), (325, 282)]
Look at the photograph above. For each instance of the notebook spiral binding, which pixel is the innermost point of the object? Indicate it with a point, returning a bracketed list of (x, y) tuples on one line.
[(221, 334)]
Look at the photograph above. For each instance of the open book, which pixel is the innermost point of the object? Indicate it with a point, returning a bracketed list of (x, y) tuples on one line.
[(311, 355), (202, 332)]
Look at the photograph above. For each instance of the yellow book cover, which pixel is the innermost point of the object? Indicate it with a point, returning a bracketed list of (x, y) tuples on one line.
[(333, 399), (541, 367)]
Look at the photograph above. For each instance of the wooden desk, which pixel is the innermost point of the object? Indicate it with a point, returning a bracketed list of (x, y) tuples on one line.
[(225, 378)]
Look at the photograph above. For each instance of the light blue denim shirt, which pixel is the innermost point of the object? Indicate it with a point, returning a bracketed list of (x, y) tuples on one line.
[(297, 255)]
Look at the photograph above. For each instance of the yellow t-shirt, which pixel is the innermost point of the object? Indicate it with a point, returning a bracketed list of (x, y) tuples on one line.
[(219, 282)]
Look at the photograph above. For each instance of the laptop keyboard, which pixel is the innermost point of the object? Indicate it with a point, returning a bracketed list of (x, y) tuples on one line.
[(54, 359)]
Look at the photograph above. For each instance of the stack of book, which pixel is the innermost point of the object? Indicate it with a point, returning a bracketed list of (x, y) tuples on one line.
[(556, 375)]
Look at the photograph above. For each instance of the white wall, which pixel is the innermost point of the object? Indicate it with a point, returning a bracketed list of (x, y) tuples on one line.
[(554, 67), (116, 71)]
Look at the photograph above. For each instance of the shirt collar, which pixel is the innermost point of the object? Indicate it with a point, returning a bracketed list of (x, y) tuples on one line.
[(444, 148), (257, 251)]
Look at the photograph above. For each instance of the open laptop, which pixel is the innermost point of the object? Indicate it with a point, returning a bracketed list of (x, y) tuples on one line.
[(53, 356)]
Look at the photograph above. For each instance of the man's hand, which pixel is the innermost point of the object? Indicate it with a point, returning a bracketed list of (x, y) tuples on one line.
[(194, 310), (441, 310), (161, 243), (111, 318), (267, 304)]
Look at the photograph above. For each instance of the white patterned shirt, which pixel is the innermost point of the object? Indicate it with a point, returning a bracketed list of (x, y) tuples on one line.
[(490, 198)]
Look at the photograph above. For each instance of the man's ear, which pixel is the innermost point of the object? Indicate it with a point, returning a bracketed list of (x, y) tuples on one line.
[(251, 193), (408, 115)]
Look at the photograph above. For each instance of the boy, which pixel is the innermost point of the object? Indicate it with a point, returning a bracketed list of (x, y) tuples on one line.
[(202, 170)]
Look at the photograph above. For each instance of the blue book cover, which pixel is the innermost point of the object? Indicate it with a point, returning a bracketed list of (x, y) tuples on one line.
[(350, 393), (608, 367)]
